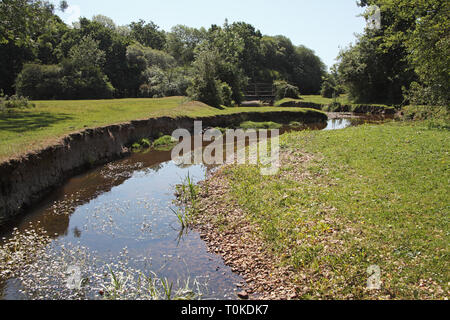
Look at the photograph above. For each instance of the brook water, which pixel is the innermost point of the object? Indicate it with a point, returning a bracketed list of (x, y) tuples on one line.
[(124, 211)]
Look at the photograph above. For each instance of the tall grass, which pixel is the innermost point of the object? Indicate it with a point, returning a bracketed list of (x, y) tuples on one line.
[(149, 287)]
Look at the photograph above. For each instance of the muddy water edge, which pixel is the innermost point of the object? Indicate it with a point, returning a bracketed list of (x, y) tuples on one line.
[(121, 215)]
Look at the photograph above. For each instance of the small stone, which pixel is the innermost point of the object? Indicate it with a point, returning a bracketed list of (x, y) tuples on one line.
[(243, 295)]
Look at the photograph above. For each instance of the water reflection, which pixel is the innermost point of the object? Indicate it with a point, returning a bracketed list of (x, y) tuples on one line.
[(127, 203)]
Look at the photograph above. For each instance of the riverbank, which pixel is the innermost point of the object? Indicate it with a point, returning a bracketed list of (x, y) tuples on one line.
[(27, 130), (27, 178), (342, 105), (343, 201)]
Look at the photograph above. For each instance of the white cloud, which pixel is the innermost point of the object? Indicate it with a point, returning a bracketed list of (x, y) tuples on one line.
[(71, 14)]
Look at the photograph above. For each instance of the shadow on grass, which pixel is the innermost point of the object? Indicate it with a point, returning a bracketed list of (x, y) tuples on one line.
[(20, 121)]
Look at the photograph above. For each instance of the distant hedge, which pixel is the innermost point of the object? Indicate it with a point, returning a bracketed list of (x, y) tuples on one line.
[(47, 82)]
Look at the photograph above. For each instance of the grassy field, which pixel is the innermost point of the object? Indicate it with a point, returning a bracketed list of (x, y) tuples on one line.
[(348, 199), (31, 129), (343, 99)]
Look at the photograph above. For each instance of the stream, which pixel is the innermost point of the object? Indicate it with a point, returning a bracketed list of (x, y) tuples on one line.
[(121, 214)]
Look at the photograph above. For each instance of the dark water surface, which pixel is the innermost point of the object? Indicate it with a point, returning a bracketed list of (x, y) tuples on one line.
[(127, 204)]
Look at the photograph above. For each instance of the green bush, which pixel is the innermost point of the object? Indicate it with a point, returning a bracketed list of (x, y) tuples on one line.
[(164, 142), (226, 94), (435, 116), (14, 102), (329, 89), (205, 85), (40, 82), (334, 106), (215, 82), (164, 83), (45, 82), (285, 90), (145, 143), (206, 91)]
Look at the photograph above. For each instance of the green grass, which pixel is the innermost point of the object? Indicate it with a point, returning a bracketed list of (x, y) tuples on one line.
[(32, 129), (318, 99), (164, 143), (315, 99), (260, 125), (348, 199)]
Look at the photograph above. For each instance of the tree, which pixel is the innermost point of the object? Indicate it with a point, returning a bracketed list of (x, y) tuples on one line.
[(111, 42), (249, 58), (330, 86), (297, 65), (307, 70), (104, 21), (140, 59), (408, 54), (87, 54), (206, 87), (22, 26), (148, 34), (80, 76), (285, 90), (424, 28), (182, 41), (37, 81)]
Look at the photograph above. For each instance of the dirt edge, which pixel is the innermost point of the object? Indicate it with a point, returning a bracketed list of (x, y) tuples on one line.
[(26, 180)]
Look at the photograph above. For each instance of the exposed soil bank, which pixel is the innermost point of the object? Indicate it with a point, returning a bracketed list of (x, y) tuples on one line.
[(372, 109), (27, 180)]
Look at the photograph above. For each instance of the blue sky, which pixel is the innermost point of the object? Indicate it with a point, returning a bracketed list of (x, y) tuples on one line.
[(322, 25)]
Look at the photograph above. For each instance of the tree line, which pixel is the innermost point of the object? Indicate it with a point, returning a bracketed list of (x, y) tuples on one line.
[(405, 61), (43, 58)]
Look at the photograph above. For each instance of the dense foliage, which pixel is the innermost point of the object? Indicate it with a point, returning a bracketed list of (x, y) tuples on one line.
[(285, 90), (43, 58), (406, 60)]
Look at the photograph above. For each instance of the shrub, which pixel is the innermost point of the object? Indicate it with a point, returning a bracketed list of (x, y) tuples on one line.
[(155, 85), (164, 142), (285, 90), (41, 82), (44, 82), (145, 143), (205, 86), (436, 117), (226, 94), (89, 82), (328, 89), (136, 146), (334, 106), (14, 102), (161, 83), (418, 94), (208, 92)]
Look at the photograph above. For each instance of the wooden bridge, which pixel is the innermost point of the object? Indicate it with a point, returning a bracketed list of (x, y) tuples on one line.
[(264, 92)]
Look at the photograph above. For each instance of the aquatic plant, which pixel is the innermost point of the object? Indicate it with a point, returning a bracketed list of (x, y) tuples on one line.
[(164, 142)]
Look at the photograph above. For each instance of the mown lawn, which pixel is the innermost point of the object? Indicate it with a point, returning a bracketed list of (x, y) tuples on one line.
[(349, 199), (31, 129)]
